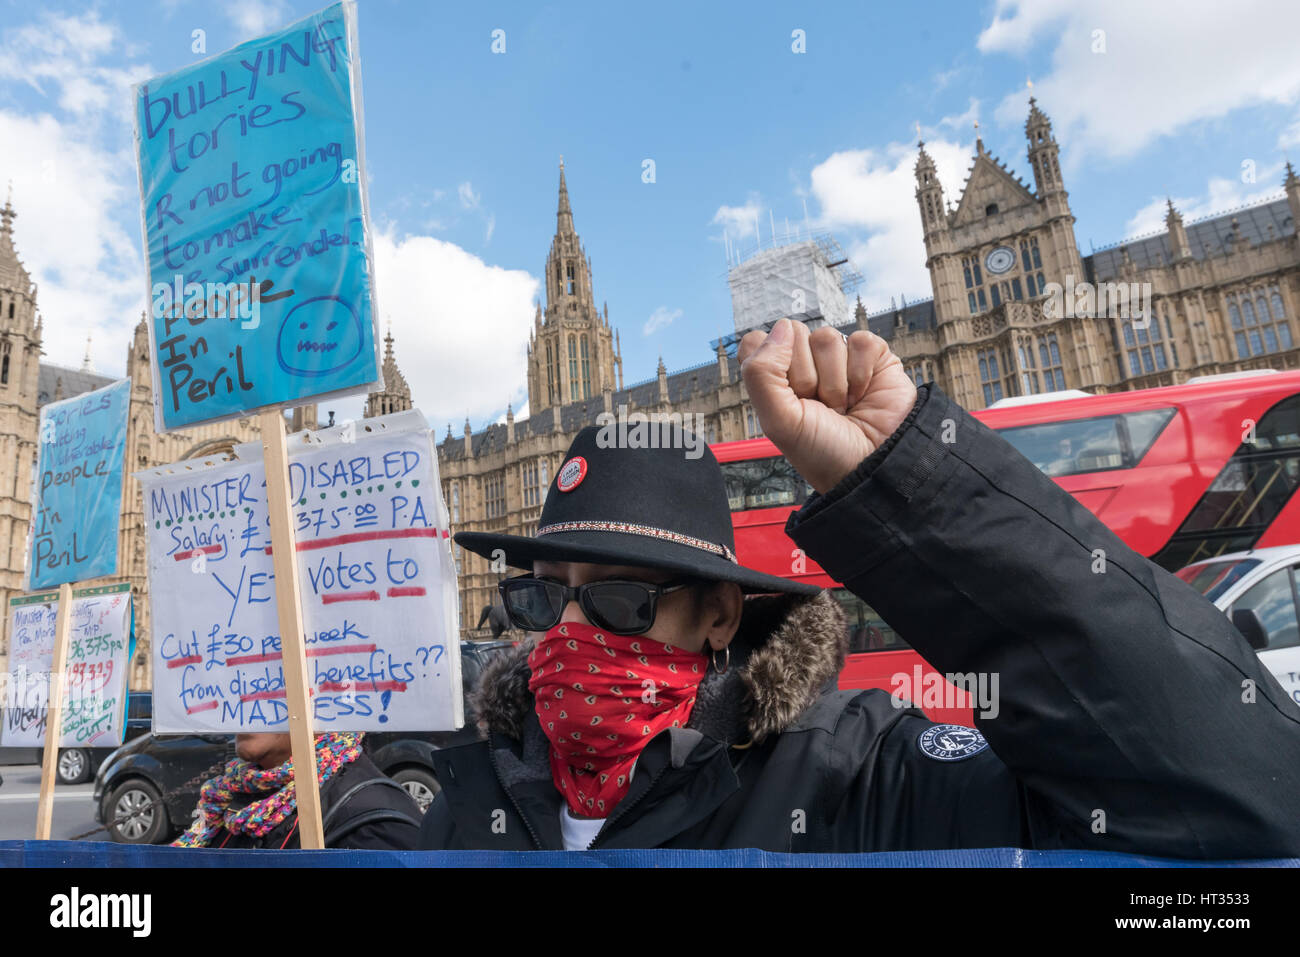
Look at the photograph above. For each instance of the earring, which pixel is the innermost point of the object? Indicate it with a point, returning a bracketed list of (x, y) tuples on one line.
[(726, 663)]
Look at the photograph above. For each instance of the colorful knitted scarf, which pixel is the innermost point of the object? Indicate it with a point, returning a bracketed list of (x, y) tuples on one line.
[(334, 749)]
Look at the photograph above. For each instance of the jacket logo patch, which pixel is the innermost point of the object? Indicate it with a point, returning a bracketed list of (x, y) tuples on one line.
[(950, 742)]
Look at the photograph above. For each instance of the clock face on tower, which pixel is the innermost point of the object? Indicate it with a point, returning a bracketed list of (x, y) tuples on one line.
[(1000, 260)]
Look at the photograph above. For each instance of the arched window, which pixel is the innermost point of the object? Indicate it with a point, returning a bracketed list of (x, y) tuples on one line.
[(568, 280), (550, 374), (4, 369), (11, 309), (573, 367), (586, 370)]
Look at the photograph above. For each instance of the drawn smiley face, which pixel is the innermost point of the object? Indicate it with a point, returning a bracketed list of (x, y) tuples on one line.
[(319, 336)]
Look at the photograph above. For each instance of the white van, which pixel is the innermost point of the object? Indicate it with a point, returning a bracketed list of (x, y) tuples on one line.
[(1258, 590)]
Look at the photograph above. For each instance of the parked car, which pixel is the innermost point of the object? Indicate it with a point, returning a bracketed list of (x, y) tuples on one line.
[(149, 787), (1257, 590), (78, 765)]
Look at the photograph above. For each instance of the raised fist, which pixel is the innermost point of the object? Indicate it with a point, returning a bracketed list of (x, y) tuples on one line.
[(826, 402)]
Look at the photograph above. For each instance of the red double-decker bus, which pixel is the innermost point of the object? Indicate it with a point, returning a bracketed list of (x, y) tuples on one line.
[(1181, 473)]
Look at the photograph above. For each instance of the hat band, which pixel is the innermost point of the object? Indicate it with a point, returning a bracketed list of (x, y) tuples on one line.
[(648, 530)]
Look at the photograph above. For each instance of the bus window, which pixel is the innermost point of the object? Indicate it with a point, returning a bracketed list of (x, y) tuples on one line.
[(867, 630), (1099, 444), (763, 483), (1246, 496)]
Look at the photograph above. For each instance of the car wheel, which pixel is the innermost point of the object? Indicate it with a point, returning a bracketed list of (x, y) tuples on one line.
[(73, 766), (420, 784), (135, 813)]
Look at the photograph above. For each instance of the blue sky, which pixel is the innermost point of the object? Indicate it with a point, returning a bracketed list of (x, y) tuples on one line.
[(1195, 100)]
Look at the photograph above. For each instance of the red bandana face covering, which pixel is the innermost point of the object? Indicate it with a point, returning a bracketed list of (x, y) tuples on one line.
[(600, 698)]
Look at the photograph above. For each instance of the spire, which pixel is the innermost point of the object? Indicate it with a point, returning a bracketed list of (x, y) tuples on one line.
[(979, 142), (1043, 156), (1292, 186), (564, 216), (929, 192), (1179, 248), (396, 393), (12, 272), (85, 363), (860, 314)]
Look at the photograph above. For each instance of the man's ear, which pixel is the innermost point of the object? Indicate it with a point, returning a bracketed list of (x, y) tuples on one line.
[(723, 604)]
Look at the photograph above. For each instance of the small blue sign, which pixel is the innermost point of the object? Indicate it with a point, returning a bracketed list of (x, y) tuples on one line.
[(77, 499), (255, 222)]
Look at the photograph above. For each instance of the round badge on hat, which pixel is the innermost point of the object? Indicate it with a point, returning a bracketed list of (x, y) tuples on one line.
[(571, 474)]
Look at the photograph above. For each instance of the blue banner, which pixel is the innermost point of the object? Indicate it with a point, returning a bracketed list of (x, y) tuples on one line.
[(255, 222), (112, 856), (77, 499)]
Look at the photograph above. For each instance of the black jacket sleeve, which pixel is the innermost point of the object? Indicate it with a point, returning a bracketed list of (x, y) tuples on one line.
[(1133, 715)]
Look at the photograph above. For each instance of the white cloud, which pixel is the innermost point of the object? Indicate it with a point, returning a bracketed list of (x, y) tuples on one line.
[(460, 326), (1220, 194), (873, 190), (57, 56), (254, 17), (468, 198), (1199, 59), (661, 317), (75, 185), (739, 221)]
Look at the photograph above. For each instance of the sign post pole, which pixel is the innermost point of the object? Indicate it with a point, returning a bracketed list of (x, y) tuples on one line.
[(288, 591), (54, 716)]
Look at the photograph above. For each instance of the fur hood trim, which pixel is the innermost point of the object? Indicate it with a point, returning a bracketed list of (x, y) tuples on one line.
[(786, 653)]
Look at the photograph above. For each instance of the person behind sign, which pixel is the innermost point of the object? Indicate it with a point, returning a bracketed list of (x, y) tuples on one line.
[(657, 706), (253, 803)]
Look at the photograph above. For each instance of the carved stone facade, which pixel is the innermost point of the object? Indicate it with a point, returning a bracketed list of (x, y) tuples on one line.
[(1018, 311), (1010, 316)]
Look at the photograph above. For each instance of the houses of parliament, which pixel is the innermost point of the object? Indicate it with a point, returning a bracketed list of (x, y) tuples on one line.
[(1224, 294)]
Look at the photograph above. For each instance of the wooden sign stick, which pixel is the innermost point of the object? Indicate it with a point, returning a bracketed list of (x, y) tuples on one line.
[(288, 592), (54, 714)]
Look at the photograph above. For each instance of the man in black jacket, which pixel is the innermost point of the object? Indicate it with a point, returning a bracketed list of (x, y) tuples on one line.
[(1132, 716)]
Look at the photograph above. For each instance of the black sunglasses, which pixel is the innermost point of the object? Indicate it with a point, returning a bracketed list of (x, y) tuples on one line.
[(620, 606)]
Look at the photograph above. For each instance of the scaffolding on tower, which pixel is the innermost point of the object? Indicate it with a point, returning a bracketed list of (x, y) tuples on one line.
[(809, 280)]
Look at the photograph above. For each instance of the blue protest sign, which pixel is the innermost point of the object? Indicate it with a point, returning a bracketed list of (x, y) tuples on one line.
[(256, 225), (77, 497)]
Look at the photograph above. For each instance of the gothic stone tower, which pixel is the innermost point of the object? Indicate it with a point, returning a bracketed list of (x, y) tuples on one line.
[(991, 260), (395, 396), (573, 353), (20, 352)]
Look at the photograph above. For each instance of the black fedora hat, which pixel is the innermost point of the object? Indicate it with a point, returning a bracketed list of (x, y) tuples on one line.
[(652, 507)]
